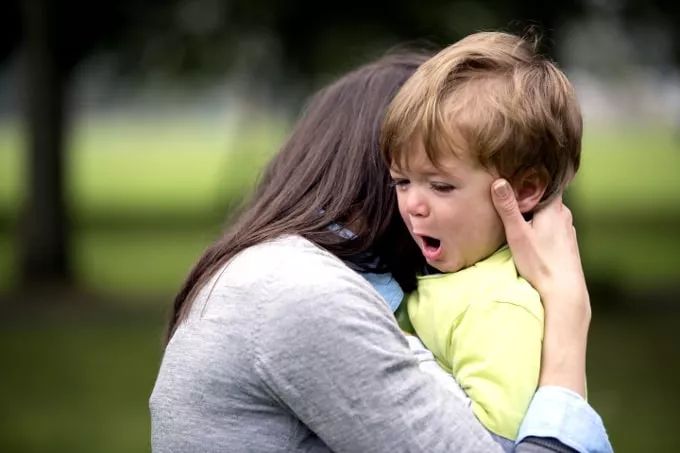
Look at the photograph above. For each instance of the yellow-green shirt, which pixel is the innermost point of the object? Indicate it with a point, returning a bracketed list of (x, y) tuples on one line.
[(484, 324)]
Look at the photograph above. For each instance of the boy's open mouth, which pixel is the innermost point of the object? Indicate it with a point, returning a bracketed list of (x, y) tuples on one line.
[(431, 247)]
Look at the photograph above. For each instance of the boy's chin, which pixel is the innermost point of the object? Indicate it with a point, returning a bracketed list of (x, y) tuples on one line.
[(445, 267)]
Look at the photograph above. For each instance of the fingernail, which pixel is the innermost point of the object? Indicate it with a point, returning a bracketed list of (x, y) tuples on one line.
[(502, 188)]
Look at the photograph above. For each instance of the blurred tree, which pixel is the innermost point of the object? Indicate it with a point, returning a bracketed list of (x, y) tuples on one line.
[(56, 36), (43, 238)]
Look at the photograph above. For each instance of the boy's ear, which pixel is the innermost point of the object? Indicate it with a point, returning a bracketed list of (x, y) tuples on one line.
[(529, 188)]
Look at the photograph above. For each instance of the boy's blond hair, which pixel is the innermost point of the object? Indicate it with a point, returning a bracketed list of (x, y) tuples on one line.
[(495, 96)]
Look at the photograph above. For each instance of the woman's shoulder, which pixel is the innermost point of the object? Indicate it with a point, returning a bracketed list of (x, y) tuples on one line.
[(286, 269), (289, 256), (288, 247), (284, 284)]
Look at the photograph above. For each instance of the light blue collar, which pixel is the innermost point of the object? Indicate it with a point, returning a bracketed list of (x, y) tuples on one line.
[(384, 284), (387, 287)]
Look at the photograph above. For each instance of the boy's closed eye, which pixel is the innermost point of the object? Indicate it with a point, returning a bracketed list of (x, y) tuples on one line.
[(442, 187)]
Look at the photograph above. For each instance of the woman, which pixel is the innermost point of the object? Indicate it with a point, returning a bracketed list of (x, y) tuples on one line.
[(279, 343)]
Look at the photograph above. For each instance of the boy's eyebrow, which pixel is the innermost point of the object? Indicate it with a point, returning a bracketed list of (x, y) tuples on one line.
[(432, 169), (428, 171), (434, 172)]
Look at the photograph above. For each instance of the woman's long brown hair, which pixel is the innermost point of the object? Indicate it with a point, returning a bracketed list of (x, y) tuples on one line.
[(329, 171)]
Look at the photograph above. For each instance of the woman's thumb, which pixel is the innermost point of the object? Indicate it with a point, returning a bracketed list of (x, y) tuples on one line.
[(506, 205)]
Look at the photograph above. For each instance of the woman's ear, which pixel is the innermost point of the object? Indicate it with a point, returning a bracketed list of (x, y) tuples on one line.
[(529, 188)]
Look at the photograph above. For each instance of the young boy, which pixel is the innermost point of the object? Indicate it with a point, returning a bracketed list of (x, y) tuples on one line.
[(488, 106)]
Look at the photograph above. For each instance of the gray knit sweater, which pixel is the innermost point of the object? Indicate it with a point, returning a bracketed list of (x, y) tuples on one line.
[(287, 349)]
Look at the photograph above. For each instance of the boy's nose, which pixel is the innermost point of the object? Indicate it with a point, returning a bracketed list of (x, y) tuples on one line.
[(416, 204)]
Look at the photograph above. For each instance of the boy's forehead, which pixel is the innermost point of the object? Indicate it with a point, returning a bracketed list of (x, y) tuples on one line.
[(412, 155), (437, 153), (417, 159)]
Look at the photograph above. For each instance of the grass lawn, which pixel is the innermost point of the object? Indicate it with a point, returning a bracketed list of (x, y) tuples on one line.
[(627, 207), (633, 371), (77, 385), (148, 167), (629, 172)]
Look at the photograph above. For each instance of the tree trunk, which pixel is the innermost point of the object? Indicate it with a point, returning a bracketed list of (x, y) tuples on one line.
[(43, 239)]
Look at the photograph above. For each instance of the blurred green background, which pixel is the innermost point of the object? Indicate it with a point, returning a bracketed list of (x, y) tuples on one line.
[(172, 109)]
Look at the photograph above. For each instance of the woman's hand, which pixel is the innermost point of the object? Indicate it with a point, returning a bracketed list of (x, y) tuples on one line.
[(546, 254)]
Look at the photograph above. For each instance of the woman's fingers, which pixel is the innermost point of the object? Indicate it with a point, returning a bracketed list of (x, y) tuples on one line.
[(519, 234), (545, 251), (506, 205)]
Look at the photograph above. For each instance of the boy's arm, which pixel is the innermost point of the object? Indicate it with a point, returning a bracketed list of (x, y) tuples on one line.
[(495, 353)]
